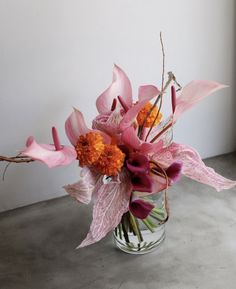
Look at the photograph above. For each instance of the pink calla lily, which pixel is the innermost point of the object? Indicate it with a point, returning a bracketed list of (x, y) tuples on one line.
[(138, 163), (174, 171), (142, 182), (140, 208), (52, 155)]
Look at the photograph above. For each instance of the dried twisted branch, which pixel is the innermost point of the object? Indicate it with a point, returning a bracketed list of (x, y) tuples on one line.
[(16, 159)]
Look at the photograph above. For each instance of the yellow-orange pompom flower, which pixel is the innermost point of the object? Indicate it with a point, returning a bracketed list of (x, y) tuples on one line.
[(89, 148), (110, 161), (150, 119)]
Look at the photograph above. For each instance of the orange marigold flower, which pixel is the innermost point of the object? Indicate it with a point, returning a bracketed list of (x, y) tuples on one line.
[(110, 161), (143, 114), (89, 148)]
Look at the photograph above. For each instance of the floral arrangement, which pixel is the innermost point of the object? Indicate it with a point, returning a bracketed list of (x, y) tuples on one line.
[(128, 154)]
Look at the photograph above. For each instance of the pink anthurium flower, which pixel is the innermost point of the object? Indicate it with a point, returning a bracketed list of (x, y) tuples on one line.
[(52, 155), (140, 208)]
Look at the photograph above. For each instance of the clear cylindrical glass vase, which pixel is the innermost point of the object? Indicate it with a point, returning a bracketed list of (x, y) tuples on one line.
[(141, 236)]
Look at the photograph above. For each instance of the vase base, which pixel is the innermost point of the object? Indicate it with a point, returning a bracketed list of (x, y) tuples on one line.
[(151, 241)]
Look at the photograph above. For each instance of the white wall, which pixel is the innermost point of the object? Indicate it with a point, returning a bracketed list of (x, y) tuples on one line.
[(55, 54)]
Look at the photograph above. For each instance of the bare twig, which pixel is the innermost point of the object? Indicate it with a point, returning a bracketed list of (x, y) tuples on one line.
[(163, 64), (160, 95), (16, 159), (162, 86)]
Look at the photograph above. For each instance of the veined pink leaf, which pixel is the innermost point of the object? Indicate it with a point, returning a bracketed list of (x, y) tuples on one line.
[(147, 91), (193, 166), (192, 93), (120, 87), (112, 202), (86, 188)]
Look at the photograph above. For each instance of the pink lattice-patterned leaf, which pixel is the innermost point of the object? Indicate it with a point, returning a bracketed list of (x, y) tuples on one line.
[(112, 202), (193, 166), (86, 188)]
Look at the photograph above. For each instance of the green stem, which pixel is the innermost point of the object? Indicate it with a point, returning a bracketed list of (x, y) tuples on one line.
[(160, 212), (135, 226), (148, 225), (126, 236), (157, 217)]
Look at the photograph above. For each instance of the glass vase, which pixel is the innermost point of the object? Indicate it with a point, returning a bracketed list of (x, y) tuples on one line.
[(137, 236)]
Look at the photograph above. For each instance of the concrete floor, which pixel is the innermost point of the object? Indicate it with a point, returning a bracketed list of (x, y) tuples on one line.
[(37, 244)]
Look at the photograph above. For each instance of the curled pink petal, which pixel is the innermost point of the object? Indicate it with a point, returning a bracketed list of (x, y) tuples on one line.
[(146, 92), (90, 181), (193, 166), (120, 86), (193, 93), (129, 117), (75, 126), (148, 148), (140, 208), (130, 138), (112, 202), (48, 154)]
